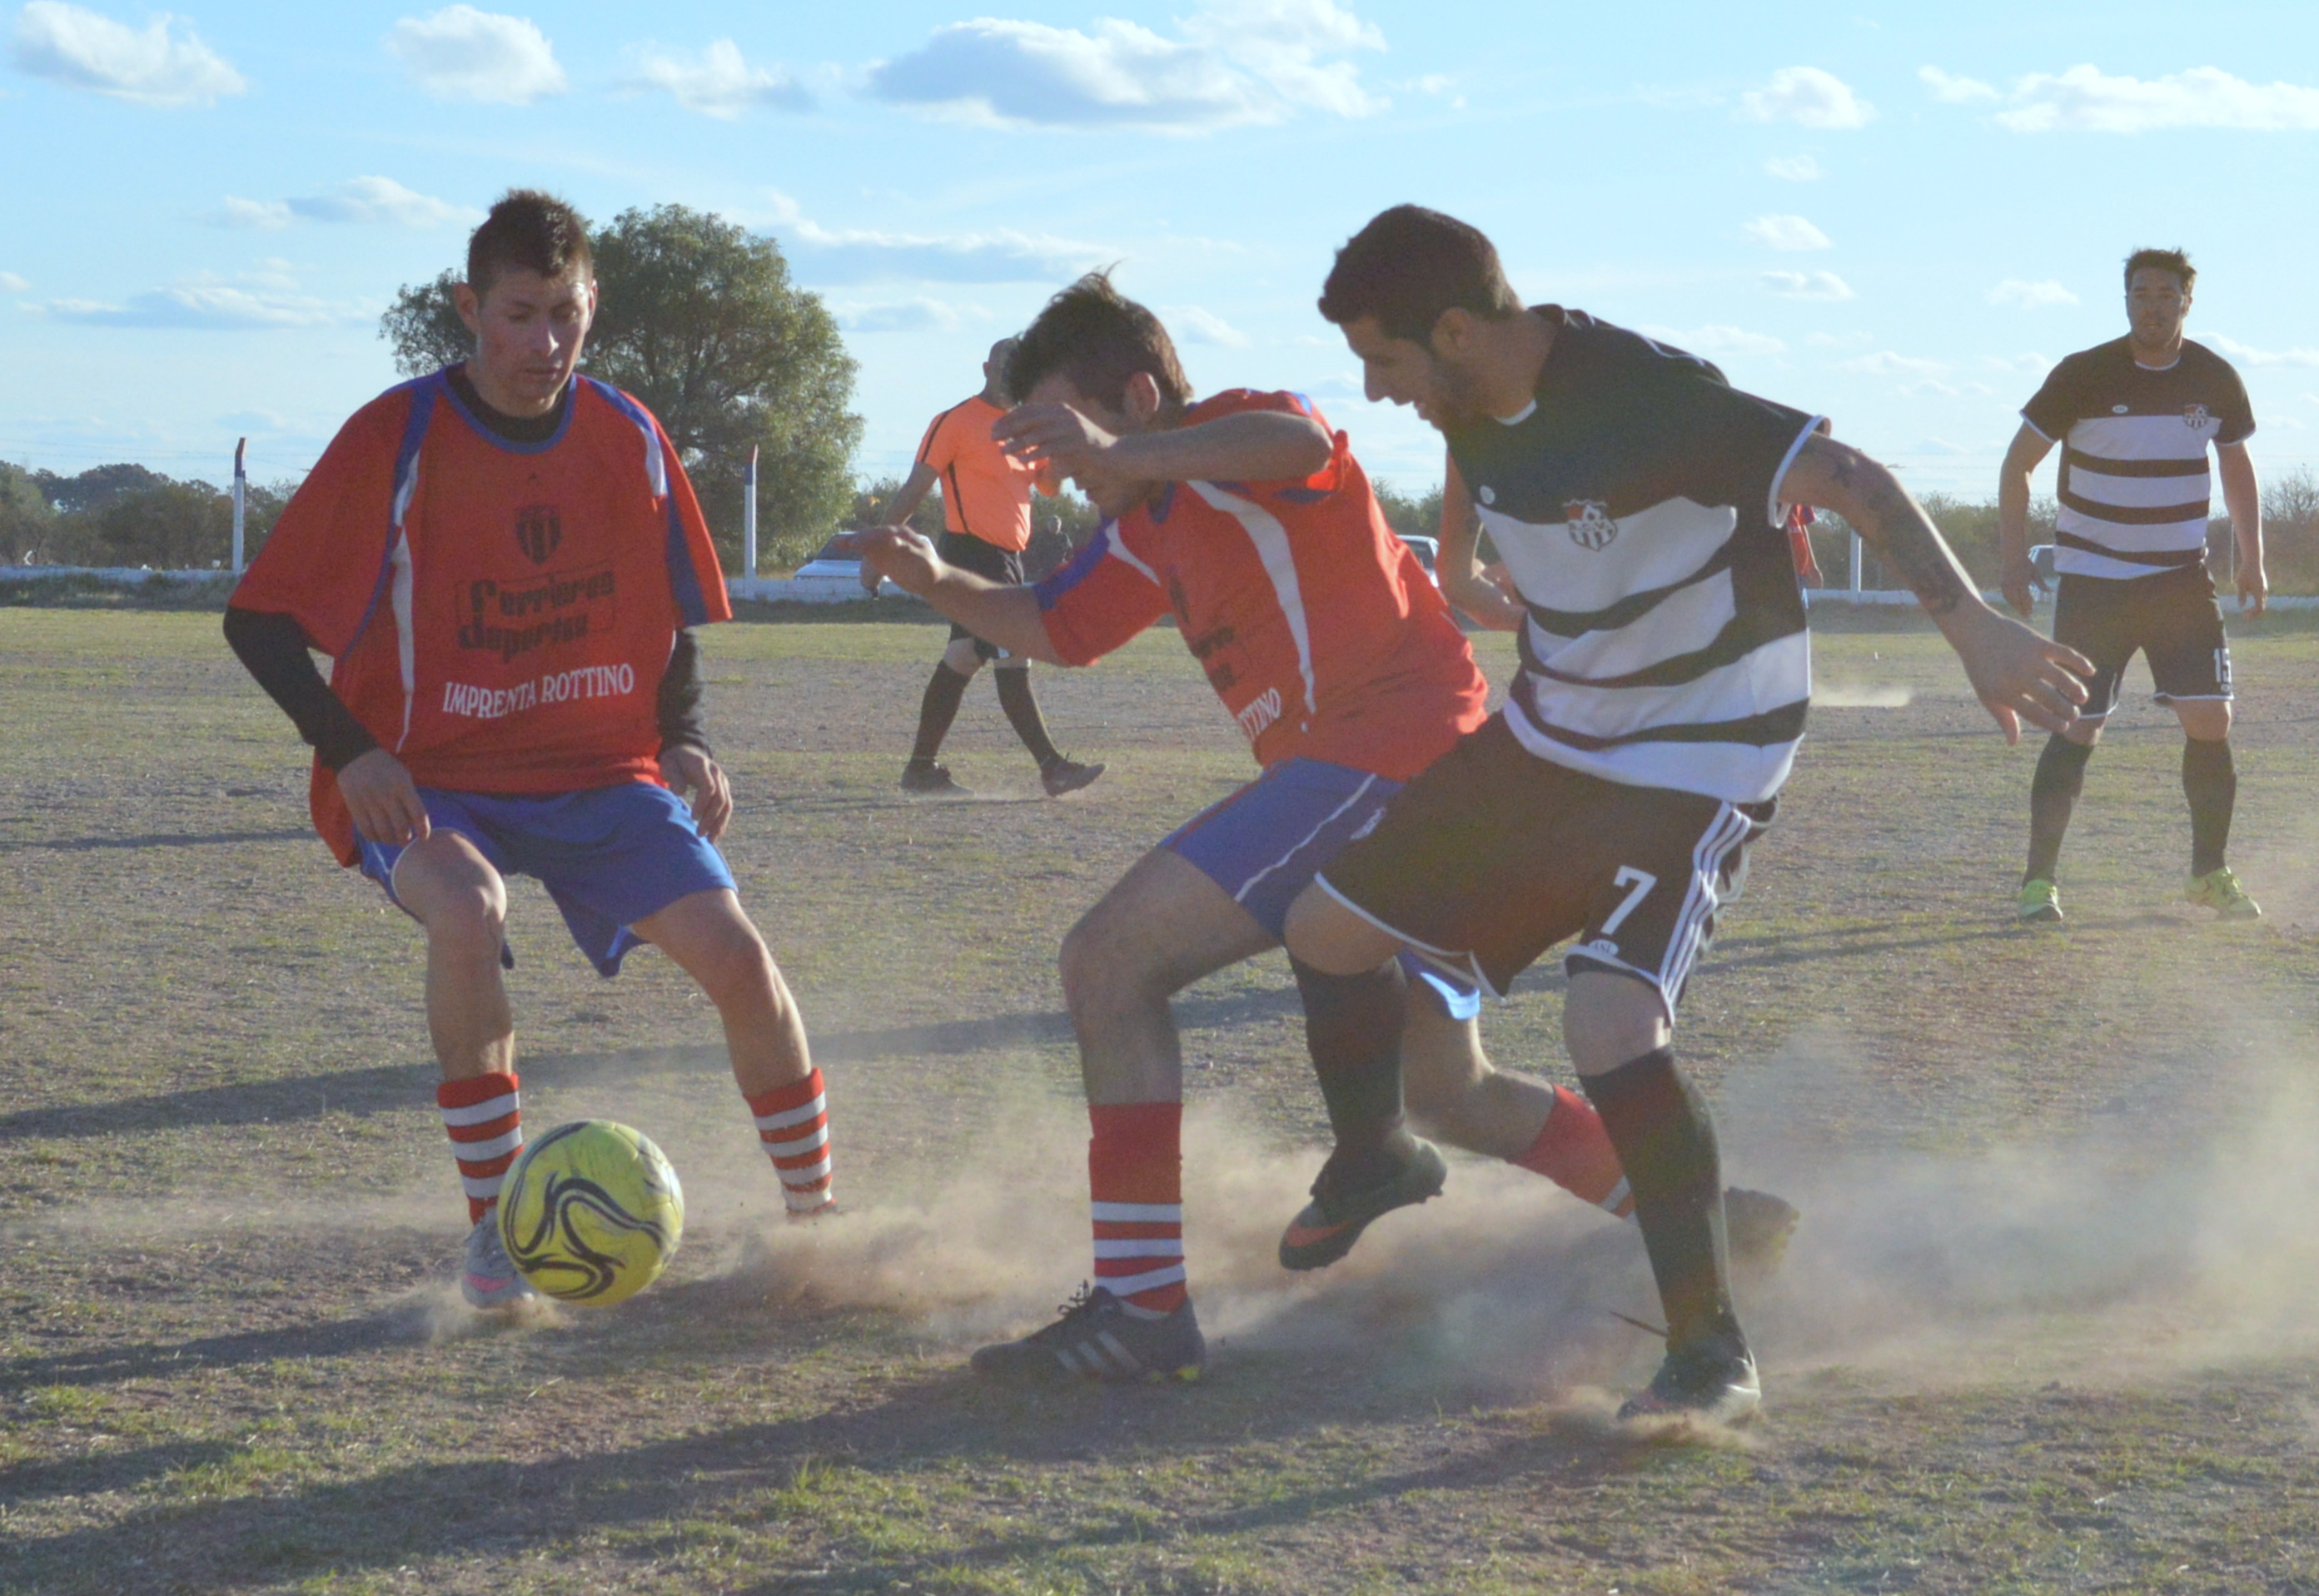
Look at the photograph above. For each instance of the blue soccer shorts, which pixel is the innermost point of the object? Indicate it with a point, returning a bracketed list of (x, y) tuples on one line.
[(610, 856), (1266, 842)]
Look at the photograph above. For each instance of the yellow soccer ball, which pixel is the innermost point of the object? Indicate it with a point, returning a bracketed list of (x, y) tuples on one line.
[(591, 1212)]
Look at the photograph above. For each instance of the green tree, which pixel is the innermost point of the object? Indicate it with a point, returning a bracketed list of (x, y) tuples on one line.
[(700, 321), (27, 520)]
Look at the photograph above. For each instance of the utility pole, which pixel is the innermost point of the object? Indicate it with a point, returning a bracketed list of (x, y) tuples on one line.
[(240, 500), (749, 517)]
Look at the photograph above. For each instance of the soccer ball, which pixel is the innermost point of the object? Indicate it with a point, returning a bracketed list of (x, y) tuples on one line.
[(591, 1212)]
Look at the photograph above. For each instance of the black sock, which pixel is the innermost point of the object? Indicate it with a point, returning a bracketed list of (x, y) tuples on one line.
[(936, 711), (1352, 1024), (1022, 713), (1660, 1126), (2210, 781), (2053, 794)]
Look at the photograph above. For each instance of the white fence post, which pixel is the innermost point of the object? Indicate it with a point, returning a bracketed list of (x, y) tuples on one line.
[(240, 500), (749, 517), (1856, 562)]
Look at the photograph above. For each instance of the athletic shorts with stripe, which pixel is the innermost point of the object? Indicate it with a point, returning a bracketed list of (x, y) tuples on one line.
[(2173, 619), (1493, 855), (986, 560), (1263, 843)]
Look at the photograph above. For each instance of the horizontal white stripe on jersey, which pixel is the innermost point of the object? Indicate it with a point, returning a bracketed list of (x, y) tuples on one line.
[(2140, 492), (1654, 548), (1736, 773), (482, 1152), (1772, 677), (2077, 561), (794, 1116), (1679, 624), (1139, 1213), (484, 1113), (2158, 537), (2141, 438), (1142, 1247)]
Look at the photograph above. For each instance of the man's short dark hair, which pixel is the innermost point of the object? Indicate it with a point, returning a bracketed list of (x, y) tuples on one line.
[(1097, 339), (531, 231), (2161, 260), (1408, 265)]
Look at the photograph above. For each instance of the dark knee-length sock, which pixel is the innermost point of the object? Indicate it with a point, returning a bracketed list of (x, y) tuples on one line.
[(2210, 781), (1022, 713), (937, 710), (1352, 1025), (2052, 795), (1666, 1139)]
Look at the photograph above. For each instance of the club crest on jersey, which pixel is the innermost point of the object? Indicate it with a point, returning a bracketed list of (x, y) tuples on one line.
[(2195, 417), (1590, 525), (538, 532)]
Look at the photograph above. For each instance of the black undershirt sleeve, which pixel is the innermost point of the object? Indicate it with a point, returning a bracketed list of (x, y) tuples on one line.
[(683, 716), (273, 648)]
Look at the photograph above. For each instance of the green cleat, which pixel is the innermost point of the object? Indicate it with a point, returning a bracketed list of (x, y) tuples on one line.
[(2220, 891), (2041, 902)]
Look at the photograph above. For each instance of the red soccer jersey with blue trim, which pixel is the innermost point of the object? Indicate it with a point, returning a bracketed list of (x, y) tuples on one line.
[(499, 615), (1318, 628)]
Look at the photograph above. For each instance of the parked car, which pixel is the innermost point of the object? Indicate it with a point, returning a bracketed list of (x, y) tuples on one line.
[(1426, 549), (833, 574)]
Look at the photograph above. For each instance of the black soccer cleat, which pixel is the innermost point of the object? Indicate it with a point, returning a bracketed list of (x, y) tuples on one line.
[(1098, 1338), (930, 779), (1328, 1225), (1060, 776), (1758, 1225), (1713, 1382)]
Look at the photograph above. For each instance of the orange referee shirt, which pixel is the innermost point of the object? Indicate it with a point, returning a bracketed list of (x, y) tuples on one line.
[(986, 491)]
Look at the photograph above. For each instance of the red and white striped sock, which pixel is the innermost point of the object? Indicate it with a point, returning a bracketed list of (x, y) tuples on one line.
[(793, 1122), (1136, 1175), (484, 1117), (1574, 1151)]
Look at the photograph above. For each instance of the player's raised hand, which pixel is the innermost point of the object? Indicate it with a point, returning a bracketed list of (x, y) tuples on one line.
[(897, 554), (1065, 441), (383, 800), (692, 775), (2019, 674)]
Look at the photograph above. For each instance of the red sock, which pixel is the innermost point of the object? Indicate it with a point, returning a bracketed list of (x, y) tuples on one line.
[(484, 1117), (1135, 1175), (1574, 1151), (793, 1122)]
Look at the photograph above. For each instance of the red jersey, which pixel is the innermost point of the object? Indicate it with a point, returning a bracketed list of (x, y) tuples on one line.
[(1317, 627), (499, 615)]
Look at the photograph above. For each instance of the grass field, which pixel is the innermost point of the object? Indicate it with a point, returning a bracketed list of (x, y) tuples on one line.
[(2048, 1326)]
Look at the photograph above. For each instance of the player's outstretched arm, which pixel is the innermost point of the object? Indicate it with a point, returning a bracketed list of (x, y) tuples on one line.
[(2017, 674), (2015, 574), (2244, 498), (1245, 447), (995, 612)]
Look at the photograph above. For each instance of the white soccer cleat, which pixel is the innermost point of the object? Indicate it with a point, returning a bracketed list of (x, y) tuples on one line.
[(488, 1277)]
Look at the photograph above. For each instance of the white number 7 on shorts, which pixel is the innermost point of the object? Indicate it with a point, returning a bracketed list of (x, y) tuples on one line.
[(1639, 883)]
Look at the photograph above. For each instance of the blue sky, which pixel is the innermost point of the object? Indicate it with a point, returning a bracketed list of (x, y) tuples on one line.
[(1896, 215)]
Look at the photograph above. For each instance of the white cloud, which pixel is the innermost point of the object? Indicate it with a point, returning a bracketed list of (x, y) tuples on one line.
[(1952, 90), (825, 255), (1794, 169), (264, 214), (1885, 363), (1236, 61), (2030, 296), (1716, 340), (2031, 363), (374, 200), (1786, 232), (460, 53), (9, 283), (2248, 355), (1808, 285), (1192, 324), (162, 64), (1831, 340), (718, 82), (211, 306), (2084, 99), (1808, 97), (916, 314)]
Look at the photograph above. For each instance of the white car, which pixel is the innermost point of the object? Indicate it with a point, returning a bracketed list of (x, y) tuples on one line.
[(834, 578)]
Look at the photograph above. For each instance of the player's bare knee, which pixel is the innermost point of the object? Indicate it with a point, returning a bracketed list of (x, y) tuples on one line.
[(963, 657), (471, 915), (2085, 734), (2206, 721), (736, 967)]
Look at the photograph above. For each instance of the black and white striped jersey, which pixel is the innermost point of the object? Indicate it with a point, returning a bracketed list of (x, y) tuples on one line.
[(2134, 489), (1636, 503)]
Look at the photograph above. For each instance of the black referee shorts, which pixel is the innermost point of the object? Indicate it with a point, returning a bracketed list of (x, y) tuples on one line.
[(970, 553), (2173, 619), (1493, 855)]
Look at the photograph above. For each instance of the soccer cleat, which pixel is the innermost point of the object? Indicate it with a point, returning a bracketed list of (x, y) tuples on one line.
[(2220, 891), (1060, 776), (1758, 1225), (2041, 902), (1337, 1215), (932, 781), (1100, 1338), (488, 1277), (1714, 1382)]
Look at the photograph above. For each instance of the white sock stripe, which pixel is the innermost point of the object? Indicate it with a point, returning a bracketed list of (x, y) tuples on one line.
[(802, 1145), (484, 1113), (806, 1202), (804, 1177), (1140, 1214), (794, 1116), (477, 1152), (1619, 1196), (1145, 1247), (1121, 1286), (482, 1187)]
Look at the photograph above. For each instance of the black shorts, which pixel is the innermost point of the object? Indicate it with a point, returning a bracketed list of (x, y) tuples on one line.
[(2173, 619), (970, 553), (1493, 855)]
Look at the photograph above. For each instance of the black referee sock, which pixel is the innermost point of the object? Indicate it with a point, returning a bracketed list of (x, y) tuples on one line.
[(1660, 1125), (2210, 781), (1352, 1025), (1022, 713), (936, 711), (2052, 795)]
